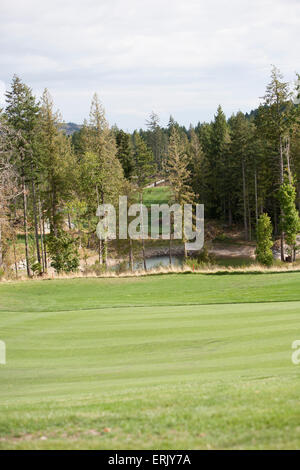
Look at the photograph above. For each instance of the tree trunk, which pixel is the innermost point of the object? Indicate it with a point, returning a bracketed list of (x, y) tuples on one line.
[(15, 256), (100, 251), (42, 234), (36, 229), (245, 201), (249, 217), (105, 253), (1, 252), (45, 244), (170, 239), (287, 153), (281, 181), (142, 229), (282, 246), (229, 213), (130, 255), (25, 226), (100, 241), (69, 221), (256, 196), (275, 218)]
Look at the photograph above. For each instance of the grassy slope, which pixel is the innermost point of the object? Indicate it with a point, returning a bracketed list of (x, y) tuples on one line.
[(156, 195), (181, 361)]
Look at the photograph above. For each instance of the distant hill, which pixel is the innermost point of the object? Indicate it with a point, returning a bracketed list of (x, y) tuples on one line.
[(70, 127)]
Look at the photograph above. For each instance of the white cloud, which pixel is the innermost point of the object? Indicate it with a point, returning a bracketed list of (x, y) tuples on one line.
[(174, 57)]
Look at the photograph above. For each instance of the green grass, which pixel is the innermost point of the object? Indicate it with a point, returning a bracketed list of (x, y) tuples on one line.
[(160, 362), (156, 195)]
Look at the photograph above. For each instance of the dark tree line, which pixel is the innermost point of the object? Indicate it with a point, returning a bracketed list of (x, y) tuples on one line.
[(52, 183)]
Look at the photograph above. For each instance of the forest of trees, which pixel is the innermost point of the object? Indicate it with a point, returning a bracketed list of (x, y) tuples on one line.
[(51, 183)]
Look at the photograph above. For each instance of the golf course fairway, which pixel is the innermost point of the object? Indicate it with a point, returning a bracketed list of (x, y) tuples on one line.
[(182, 361)]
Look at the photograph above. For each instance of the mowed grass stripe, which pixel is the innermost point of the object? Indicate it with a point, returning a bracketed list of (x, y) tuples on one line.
[(193, 289), (199, 338), (189, 376)]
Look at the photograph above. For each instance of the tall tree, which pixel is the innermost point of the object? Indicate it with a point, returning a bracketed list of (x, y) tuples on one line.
[(107, 176), (22, 111), (124, 152), (9, 179), (144, 168), (178, 173), (219, 140), (240, 171), (278, 115), (156, 139)]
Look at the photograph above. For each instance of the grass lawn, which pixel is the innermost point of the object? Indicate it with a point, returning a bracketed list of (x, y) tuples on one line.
[(183, 361), (156, 195)]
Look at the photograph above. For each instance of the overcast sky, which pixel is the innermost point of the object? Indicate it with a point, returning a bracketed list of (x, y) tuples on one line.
[(179, 57)]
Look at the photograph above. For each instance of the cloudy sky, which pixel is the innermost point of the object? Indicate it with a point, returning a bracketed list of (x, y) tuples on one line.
[(179, 57)]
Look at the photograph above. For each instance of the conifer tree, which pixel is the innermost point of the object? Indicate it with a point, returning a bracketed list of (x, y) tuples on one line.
[(264, 241), (144, 168), (178, 174), (290, 222), (22, 112)]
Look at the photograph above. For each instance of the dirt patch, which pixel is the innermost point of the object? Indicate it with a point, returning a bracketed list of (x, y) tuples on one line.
[(233, 251)]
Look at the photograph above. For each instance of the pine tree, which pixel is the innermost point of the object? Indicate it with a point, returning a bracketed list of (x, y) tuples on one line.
[(277, 119), (9, 182), (144, 168), (197, 166), (106, 177), (217, 153), (178, 174), (124, 152), (22, 112), (177, 169), (239, 173), (156, 139)]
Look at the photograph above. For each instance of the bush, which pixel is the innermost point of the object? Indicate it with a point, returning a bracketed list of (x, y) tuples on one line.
[(203, 260), (264, 254), (289, 222), (122, 267), (36, 268), (63, 251), (96, 268)]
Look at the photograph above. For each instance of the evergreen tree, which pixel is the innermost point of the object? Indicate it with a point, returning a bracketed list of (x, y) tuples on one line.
[(219, 140), (124, 152), (277, 116), (144, 168), (290, 222), (156, 139), (264, 241), (103, 170), (197, 167), (22, 112), (178, 174)]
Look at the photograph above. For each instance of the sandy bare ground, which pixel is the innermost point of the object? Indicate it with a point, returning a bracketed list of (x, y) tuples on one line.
[(233, 251)]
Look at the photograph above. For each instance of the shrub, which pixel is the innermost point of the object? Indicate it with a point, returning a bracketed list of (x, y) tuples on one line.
[(264, 241), (63, 251), (289, 223), (96, 268), (36, 268), (122, 267)]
